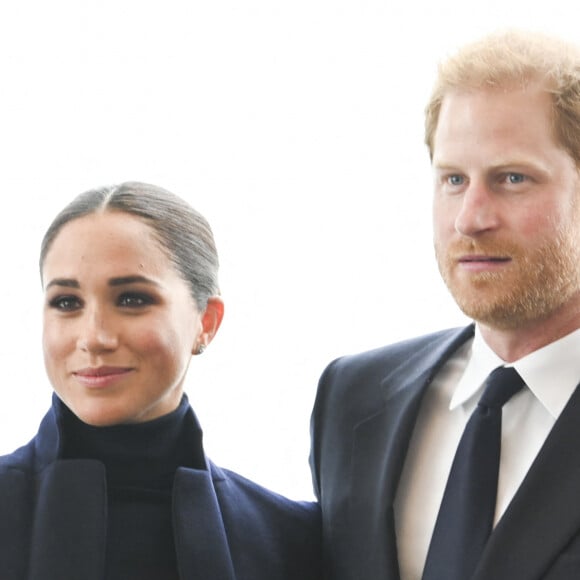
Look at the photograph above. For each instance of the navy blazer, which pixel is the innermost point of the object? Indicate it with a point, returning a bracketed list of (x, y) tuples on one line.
[(53, 521), (362, 422)]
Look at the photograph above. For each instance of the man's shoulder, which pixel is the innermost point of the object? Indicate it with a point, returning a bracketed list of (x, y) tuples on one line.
[(358, 380), (389, 356)]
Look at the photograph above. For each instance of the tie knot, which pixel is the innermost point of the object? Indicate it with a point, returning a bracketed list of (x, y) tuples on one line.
[(501, 385)]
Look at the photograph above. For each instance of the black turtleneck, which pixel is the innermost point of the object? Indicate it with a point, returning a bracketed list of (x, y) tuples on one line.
[(140, 462)]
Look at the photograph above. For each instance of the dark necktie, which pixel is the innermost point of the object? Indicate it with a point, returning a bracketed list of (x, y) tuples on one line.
[(465, 518)]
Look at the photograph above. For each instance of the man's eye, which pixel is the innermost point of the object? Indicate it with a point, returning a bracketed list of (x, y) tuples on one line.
[(455, 180), (65, 303), (515, 178), (133, 300)]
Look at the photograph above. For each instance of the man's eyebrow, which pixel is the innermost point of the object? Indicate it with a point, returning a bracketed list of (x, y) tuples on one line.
[(444, 166)]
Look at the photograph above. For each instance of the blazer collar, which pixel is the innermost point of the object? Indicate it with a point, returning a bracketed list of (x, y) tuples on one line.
[(376, 469), (200, 535), (69, 533), (422, 364), (380, 446)]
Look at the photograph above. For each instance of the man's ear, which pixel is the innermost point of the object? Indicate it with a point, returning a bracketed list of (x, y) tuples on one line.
[(210, 322)]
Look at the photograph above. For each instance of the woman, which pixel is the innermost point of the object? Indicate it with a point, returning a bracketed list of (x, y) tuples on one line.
[(115, 485)]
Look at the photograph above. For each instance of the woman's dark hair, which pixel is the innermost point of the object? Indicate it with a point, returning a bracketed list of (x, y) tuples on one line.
[(183, 232)]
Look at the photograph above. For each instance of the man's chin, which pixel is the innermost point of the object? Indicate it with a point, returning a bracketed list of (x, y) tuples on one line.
[(508, 313), (501, 312)]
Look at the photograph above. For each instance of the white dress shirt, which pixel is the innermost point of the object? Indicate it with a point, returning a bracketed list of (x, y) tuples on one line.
[(551, 375)]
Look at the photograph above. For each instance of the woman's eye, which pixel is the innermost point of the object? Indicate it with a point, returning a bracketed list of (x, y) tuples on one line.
[(65, 303), (133, 300)]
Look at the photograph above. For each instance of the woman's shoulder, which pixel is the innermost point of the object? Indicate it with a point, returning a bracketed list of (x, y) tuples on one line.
[(269, 525), (20, 460), (230, 483)]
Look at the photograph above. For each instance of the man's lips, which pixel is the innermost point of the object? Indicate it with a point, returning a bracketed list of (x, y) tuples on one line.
[(482, 262), (482, 258)]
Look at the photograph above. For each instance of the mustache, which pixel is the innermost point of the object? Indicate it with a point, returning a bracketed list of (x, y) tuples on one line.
[(493, 248)]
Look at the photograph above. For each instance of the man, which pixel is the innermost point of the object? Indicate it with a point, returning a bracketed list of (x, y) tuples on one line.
[(503, 132)]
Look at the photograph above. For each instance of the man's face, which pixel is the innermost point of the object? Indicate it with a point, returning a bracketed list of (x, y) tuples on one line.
[(506, 209)]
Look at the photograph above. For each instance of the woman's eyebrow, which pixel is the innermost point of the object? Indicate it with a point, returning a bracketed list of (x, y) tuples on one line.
[(67, 282), (122, 280), (117, 281)]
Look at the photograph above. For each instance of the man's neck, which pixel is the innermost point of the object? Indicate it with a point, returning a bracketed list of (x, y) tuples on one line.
[(511, 344)]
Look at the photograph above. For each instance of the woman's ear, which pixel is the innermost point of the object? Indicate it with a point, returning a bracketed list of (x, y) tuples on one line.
[(210, 322)]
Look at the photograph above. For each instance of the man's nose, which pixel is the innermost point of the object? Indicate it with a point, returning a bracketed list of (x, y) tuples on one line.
[(478, 211)]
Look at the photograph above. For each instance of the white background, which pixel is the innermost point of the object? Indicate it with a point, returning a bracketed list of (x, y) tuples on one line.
[(295, 126)]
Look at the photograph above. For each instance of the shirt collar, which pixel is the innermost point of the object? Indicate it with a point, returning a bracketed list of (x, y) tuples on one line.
[(557, 363), (480, 362)]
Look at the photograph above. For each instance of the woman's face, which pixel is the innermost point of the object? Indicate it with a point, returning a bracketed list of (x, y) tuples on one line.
[(120, 324)]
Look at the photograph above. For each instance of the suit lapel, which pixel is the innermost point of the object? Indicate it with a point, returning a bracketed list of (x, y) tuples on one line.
[(378, 454), (544, 513), (69, 531), (380, 446), (200, 538)]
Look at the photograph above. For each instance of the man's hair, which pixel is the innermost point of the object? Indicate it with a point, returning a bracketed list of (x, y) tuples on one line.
[(514, 59)]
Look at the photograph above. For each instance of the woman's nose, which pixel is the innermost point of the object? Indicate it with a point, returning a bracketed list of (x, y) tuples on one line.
[(97, 332)]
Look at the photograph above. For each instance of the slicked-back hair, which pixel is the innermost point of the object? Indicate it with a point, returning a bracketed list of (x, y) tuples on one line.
[(183, 233)]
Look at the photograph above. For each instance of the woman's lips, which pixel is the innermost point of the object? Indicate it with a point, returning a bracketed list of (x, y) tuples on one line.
[(101, 376)]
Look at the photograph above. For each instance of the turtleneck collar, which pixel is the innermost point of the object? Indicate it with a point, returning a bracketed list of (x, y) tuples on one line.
[(141, 455)]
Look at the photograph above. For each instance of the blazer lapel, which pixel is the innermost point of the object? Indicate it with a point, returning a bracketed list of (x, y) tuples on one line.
[(378, 454), (69, 522), (200, 538), (544, 514), (380, 446), (16, 507)]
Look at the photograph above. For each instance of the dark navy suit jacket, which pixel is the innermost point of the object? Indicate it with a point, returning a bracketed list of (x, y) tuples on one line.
[(363, 419), (53, 521)]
